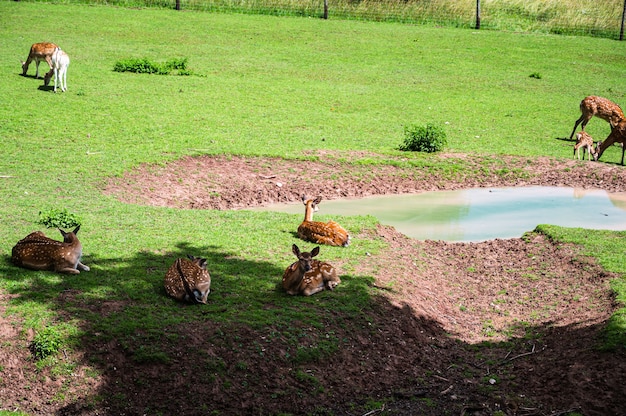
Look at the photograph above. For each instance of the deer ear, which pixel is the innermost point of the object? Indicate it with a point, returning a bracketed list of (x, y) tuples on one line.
[(315, 251), (295, 250), (63, 233), (76, 229), (304, 198), (318, 199)]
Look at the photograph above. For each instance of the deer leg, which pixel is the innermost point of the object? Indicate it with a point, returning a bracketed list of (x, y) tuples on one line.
[(582, 117), (81, 266)]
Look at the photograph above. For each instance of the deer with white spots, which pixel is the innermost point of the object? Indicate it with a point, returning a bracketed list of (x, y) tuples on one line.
[(38, 252), (319, 232), (618, 135), (308, 276), (188, 280), (585, 141), (600, 107)]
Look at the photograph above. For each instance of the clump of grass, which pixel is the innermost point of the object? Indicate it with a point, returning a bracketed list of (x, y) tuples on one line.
[(429, 138), (47, 342), (146, 66), (58, 218)]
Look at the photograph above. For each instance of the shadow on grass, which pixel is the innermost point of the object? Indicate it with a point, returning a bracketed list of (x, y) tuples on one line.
[(255, 350)]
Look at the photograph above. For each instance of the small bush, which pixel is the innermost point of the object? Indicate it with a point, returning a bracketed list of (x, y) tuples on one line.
[(429, 138), (47, 342), (58, 218), (146, 66)]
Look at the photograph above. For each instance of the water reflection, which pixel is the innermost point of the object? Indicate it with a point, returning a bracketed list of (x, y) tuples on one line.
[(483, 213)]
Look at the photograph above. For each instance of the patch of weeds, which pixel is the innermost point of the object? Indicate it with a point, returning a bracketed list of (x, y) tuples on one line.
[(535, 75), (47, 342), (146, 66), (489, 329), (58, 218), (429, 138), (150, 354)]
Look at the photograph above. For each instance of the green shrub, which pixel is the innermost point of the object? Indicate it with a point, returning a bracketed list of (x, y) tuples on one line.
[(146, 66), (58, 218), (47, 342), (430, 138)]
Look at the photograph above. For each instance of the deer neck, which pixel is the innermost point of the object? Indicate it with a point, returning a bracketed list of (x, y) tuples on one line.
[(308, 212)]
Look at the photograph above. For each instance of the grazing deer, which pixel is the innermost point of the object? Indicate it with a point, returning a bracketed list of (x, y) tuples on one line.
[(600, 107), (307, 276), (318, 232), (40, 52), (618, 135), (38, 252), (188, 280), (60, 62), (585, 141)]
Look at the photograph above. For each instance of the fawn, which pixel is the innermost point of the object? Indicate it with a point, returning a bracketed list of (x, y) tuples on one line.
[(585, 141), (307, 276), (60, 61), (318, 232), (188, 280), (600, 107), (38, 252)]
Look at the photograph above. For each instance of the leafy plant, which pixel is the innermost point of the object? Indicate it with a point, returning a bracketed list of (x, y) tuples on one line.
[(47, 342), (146, 66), (58, 218), (429, 138)]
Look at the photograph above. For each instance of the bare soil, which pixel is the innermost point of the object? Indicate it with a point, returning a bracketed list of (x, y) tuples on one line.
[(510, 326)]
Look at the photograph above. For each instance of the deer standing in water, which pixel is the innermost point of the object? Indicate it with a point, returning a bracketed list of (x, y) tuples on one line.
[(38, 252), (600, 107), (318, 232), (188, 280), (307, 276), (618, 135), (585, 141), (40, 52)]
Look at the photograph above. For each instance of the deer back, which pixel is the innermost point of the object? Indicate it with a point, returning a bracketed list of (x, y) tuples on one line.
[(329, 233), (38, 252), (308, 276), (601, 107), (188, 280)]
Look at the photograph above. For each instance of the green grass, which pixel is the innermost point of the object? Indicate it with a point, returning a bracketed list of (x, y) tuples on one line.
[(265, 86)]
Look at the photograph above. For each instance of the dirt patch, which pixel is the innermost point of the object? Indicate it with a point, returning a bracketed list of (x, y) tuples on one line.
[(457, 328)]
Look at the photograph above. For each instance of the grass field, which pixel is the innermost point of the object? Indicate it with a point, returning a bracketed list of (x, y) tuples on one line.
[(260, 85)]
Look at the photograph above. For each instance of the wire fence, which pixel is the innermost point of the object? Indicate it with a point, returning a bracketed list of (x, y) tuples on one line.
[(601, 18)]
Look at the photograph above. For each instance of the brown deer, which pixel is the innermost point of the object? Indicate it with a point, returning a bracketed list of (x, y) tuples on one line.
[(600, 107), (585, 141), (618, 135), (40, 52), (307, 276), (38, 252), (318, 232), (188, 280)]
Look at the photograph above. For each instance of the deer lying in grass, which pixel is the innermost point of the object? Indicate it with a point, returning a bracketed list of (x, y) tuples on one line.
[(600, 107), (585, 141), (188, 280), (38, 252), (307, 276), (618, 135), (318, 232), (40, 52), (60, 61)]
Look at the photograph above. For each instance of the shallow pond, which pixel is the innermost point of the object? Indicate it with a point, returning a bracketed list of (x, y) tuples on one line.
[(483, 213)]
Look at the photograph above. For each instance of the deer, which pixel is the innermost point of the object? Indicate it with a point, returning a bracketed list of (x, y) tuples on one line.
[(307, 276), (60, 61), (618, 135), (40, 52), (38, 252), (329, 233), (600, 107), (188, 280), (585, 141)]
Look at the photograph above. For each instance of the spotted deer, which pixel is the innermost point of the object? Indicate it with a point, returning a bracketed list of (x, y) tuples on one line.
[(329, 233), (600, 107), (188, 280), (38, 252), (40, 52), (585, 141), (307, 276), (618, 135), (60, 62)]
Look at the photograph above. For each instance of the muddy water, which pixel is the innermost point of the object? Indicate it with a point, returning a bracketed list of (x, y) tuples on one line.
[(483, 213)]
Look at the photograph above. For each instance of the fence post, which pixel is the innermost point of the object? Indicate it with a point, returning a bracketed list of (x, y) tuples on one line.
[(177, 4), (326, 9), (621, 30), (478, 13)]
